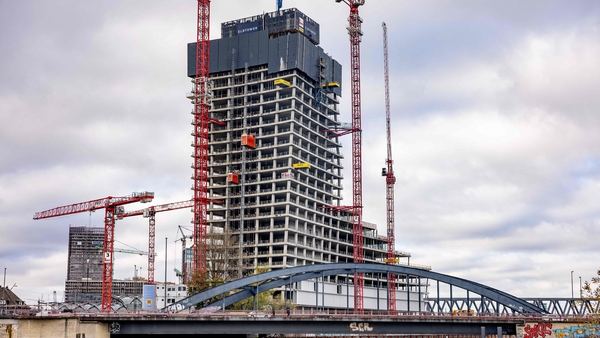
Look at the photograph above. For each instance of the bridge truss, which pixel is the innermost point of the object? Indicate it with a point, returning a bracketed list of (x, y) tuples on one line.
[(480, 299), (494, 300)]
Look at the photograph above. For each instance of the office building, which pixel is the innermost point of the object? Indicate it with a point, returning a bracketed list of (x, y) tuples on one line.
[(84, 268)]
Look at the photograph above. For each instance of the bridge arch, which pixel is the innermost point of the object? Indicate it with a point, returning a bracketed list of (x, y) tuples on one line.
[(256, 284)]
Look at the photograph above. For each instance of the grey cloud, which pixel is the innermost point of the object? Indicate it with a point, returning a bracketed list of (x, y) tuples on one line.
[(92, 102)]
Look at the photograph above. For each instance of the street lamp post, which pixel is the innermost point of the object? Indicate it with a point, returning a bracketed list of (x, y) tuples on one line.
[(3, 302), (166, 239), (572, 285), (580, 289)]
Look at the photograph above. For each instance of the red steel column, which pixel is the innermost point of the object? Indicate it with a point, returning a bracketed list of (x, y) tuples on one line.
[(107, 265), (201, 121), (151, 246), (390, 180), (355, 37)]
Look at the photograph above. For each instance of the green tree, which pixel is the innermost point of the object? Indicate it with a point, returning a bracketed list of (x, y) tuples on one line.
[(279, 304), (591, 292), (266, 300), (263, 300)]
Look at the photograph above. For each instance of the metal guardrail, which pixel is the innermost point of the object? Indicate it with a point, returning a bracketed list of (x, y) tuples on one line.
[(217, 313)]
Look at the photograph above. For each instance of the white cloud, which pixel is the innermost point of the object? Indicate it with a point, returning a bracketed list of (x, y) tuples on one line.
[(496, 162), (494, 130)]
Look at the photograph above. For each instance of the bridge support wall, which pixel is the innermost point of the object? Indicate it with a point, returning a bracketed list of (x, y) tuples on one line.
[(52, 327)]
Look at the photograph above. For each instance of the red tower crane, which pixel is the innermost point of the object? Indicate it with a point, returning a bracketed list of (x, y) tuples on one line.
[(201, 101), (355, 32), (109, 204), (150, 213), (390, 180)]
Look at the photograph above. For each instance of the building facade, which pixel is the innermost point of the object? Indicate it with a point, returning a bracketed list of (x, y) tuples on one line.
[(275, 159), (84, 268), (169, 291)]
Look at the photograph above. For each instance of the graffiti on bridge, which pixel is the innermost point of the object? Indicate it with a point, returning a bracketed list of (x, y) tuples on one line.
[(558, 330), (583, 331)]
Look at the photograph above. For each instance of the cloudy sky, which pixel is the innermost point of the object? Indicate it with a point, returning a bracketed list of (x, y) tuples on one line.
[(495, 130)]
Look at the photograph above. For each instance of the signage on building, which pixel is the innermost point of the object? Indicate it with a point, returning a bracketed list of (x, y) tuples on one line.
[(287, 175), (248, 27), (149, 297), (311, 31)]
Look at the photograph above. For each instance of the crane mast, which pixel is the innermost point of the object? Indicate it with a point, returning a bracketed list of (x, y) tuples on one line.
[(390, 180), (202, 93), (185, 273), (109, 204), (355, 32)]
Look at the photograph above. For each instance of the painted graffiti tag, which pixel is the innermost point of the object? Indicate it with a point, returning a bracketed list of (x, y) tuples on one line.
[(577, 331), (114, 327), (362, 327), (539, 330)]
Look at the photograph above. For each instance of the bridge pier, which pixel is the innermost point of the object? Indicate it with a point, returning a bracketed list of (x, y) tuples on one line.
[(52, 327)]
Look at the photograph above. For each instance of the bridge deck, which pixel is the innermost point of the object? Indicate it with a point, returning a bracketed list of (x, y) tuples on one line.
[(242, 323)]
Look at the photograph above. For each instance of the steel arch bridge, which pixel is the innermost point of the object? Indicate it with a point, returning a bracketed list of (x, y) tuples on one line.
[(489, 299)]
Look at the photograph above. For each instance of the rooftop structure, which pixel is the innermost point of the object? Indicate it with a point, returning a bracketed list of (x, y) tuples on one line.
[(10, 302)]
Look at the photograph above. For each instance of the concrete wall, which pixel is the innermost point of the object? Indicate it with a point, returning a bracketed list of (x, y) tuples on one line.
[(35, 327)]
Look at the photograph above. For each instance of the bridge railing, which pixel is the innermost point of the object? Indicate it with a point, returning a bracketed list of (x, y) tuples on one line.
[(303, 314)]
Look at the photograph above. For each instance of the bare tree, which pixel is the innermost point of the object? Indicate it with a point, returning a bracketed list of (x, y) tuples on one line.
[(591, 293), (222, 252), (222, 260)]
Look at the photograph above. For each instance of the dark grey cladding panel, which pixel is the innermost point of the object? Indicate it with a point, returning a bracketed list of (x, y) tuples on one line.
[(310, 61), (291, 51), (283, 52), (214, 61), (191, 57), (300, 55), (243, 54), (337, 76), (253, 49), (274, 61), (263, 48), (224, 53)]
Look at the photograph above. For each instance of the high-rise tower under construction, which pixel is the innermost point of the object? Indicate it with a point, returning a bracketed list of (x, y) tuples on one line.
[(275, 165)]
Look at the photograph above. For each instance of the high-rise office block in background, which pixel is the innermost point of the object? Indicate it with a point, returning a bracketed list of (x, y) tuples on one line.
[(85, 253), (84, 270)]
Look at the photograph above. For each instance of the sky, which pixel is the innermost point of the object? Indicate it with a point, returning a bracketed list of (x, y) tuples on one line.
[(494, 112)]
